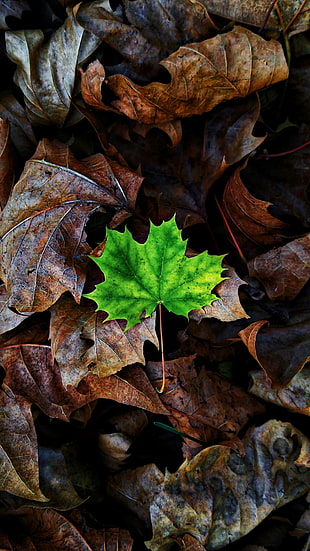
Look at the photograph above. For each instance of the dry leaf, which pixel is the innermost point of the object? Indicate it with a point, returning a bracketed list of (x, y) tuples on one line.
[(46, 70), (43, 243), (101, 539), (8, 319), (219, 496), (82, 344), (21, 133), (228, 308), (114, 450), (248, 217), (203, 74), (205, 406), (295, 397), (12, 8), (283, 271), (6, 163)]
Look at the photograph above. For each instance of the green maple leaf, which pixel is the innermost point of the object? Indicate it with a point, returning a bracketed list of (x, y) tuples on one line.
[(138, 276)]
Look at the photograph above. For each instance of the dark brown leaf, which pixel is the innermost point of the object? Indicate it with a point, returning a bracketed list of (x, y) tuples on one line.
[(43, 243), (46, 70), (219, 496), (283, 271), (83, 344), (205, 406), (248, 217), (203, 74), (21, 132)]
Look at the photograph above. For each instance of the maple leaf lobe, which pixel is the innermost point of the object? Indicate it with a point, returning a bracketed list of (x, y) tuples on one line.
[(138, 276)]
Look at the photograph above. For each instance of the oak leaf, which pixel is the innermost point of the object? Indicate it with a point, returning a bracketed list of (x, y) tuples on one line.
[(202, 75), (139, 277), (43, 243)]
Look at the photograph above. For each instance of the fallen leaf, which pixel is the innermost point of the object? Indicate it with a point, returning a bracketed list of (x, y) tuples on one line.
[(8, 319), (283, 271), (18, 448), (295, 397), (82, 343), (203, 405), (230, 65), (46, 70), (101, 539), (248, 217), (12, 8), (219, 496), (136, 33), (21, 133), (153, 273), (114, 449), (43, 243), (6, 163), (228, 306), (253, 13), (91, 82)]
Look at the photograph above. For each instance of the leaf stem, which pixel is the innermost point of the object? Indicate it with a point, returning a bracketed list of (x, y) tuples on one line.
[(268, 12), (162, 388), (234, 240), (283, 153)]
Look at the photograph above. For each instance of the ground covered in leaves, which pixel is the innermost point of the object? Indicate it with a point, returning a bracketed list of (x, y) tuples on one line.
[(116, 114)]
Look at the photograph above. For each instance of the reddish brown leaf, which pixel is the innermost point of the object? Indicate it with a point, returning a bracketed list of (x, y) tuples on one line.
[(248, 217), (91, 82), (43, 243), (228, 307), (6, 163), (283, 271), (104, 539), (205, 405), (227, 66), (295, 397), (83, 344)]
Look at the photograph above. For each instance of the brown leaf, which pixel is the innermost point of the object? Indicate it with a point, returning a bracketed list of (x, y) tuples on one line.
[(6, 163), (43, 243), (91, 82), (205, 406), (114, 450), (8, 319), (83, 344), (253, 13), (19, 471), (219, 496), (228, 308), (227, 66), (283, 271), (295, 397), (248, 217), (46, 70), (145, 32)]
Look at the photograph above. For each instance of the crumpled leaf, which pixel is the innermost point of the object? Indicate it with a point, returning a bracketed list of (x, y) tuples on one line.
[(230, 65), (136, 31), (295, 397), (219, 496), (283, 271), (203, 405), (43, 243), (6, 163), (248, 217), (228, 306), (253, 13), (138, 276), (8, 319), (21, 133), (12, 8), (19, 471), (82, 344), (46, 70)]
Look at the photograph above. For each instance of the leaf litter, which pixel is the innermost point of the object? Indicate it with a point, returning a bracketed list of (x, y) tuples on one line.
[(120, 121)]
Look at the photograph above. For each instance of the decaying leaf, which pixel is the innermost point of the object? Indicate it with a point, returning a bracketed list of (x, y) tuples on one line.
[(253, 13), (219, 496), (101, 539), (205, 405), (21, 132), (283, 271), (295, 397), (82, 343), (138, 276), (43, 243), (46, 70), (248, 217), (8, 319), (6, 163), (203, 74), (228, 307)]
